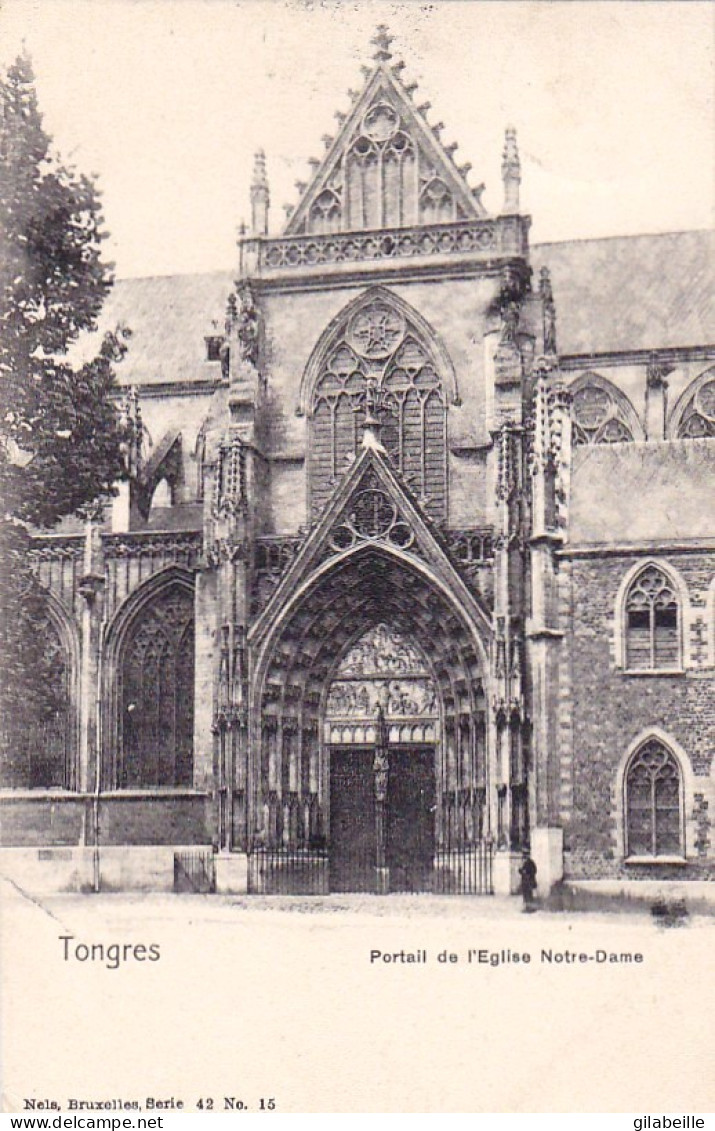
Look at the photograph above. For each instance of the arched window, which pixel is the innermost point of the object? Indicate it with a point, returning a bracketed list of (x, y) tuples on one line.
[(654, 825), (48, 737), (652, 628), (694, 415), (378, 342), (37, 725), (601, 414), (157, 701)]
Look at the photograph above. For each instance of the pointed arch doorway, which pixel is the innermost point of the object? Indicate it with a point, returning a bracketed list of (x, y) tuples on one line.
[(317, 755), (380, 732)]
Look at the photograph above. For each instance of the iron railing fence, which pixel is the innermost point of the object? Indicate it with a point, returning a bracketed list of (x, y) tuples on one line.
[(288, 871), (463, 870), (195, 871)]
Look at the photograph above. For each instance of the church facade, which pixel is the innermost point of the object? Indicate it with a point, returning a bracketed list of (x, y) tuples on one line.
[(415, 568)]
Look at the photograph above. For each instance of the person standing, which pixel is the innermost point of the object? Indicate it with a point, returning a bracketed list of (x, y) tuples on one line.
[(527, 872)]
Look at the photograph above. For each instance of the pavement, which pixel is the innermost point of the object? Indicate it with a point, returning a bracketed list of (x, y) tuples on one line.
[(353, 1003)]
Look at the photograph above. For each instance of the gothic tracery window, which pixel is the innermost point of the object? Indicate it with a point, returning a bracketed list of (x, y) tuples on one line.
[(698, 418), (37, 736), (49, 740), (378, 344), (598, 417), (652, 622), (653, 806), (379, 172), (325, 213), (158, 695)]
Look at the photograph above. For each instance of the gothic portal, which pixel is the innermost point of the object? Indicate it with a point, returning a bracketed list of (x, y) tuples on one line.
[(414, 568)]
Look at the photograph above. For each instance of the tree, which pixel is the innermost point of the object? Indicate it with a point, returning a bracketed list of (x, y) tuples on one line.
[(61, 438)]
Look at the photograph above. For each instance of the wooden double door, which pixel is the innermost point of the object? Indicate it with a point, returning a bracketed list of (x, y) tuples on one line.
[(408, 819)]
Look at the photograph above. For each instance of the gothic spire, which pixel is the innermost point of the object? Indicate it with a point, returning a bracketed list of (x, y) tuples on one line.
[(260, 195), (511, 171)]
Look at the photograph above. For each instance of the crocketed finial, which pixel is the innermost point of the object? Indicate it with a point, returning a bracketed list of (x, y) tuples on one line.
[(382, 40), (259, 168)]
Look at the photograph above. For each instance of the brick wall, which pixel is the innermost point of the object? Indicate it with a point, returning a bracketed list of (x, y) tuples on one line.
[(606, 711)]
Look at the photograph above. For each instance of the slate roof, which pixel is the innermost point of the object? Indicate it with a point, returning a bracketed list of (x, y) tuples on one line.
[(632, 292), (612, 295), (169, 316), (647, 492)]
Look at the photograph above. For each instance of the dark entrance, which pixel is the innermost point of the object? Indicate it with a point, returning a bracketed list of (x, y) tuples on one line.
[(410, 819), (408, 825), (353, 843)]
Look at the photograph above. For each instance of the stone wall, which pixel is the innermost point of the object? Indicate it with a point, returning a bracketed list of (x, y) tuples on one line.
[(605, 711), (132, 819)]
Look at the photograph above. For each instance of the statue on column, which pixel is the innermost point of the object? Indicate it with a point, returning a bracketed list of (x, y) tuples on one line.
[(247, 325)]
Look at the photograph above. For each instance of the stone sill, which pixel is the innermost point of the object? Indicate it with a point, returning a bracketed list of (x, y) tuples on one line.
[(653, 671), (654, 861)]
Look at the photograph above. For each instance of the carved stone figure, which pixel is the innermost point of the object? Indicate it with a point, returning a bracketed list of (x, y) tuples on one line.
[(248, 325)]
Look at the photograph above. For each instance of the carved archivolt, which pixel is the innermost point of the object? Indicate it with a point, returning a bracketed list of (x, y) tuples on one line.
[(359, 641)]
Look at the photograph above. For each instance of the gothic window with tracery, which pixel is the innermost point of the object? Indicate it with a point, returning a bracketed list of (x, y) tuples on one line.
[(653, 802), (49, 743), (378, 347), (158, 695), (380, 172), (652, 622), (436, 201), (325, 213), (698, 418), (41, 751), (37, 737), (598, 417)]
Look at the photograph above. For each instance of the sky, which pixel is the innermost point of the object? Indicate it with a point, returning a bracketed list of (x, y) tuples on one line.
[(166, 102)]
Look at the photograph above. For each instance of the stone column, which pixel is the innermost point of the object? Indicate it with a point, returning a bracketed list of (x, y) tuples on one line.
[(505, 373), (90, 587), (550, 467), (91, 590), (656, 398), (232, 516)]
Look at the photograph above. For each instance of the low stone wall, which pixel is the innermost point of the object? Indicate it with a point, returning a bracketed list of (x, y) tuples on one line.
[(53, 820), (45, 871)]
